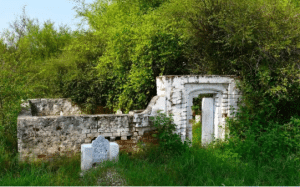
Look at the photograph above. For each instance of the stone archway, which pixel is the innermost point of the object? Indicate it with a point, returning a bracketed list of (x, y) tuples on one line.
[(218, 90), (175, 96)]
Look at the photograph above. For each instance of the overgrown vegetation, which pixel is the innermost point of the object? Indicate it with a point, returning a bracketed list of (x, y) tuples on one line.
[(115, 64)]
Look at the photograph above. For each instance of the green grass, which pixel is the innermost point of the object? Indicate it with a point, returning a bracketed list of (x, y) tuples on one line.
[(200, 166)]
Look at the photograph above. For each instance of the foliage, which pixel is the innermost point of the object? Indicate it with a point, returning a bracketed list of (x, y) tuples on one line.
[(197, 133), (20, 59), (169, 141), (12, 89), (139, 48), (115, 64), (76, 77), (258, 41), (29, 46), (262, 134), (277, 141), (229, 43)]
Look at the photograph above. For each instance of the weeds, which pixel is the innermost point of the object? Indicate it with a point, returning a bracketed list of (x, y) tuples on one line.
[(219, 163)]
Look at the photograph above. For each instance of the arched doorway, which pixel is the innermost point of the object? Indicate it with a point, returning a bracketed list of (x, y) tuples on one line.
[(203, 109), (175, 96), (211, 117)]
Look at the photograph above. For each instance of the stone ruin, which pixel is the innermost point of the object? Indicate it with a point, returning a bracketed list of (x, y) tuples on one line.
[(47, 127)]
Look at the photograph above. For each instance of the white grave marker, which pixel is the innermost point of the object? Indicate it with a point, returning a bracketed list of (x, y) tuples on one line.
[(98, 151), (113, 151), (101, 148)]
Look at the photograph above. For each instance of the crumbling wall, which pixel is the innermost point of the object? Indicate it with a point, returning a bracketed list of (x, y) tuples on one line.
[(47, 127), (50, 126)]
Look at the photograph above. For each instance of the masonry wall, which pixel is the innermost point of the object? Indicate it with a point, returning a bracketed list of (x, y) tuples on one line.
[(50, 126), (47, 127)]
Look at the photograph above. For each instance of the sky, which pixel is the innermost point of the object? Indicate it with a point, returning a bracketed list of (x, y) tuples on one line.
[(60, 12)]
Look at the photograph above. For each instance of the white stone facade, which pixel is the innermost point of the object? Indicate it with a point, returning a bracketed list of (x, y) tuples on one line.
[(175, 96)]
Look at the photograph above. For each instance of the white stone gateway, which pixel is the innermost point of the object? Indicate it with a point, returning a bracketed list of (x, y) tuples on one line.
[(175, 94), (98, 151)]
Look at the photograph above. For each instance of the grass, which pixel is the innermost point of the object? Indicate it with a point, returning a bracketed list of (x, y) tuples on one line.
[(200, 166)]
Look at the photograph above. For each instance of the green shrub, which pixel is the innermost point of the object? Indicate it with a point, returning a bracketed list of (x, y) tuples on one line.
[(280, 141), (169, 141)]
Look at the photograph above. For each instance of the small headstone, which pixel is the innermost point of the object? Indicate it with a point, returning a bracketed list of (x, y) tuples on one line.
[(101, 148), (86, 156), (113, 151), (97, 152)]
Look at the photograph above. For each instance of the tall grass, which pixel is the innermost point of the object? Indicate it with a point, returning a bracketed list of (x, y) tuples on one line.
[(197, 166)]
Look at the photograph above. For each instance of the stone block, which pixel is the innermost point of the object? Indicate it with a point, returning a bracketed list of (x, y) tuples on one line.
[(113, 151), (92, 135), (124, 129), (85, 131), (94, 130), (125, 134), (123, 137), (116, 134), (106, 134), (86, 156), (141, 133)]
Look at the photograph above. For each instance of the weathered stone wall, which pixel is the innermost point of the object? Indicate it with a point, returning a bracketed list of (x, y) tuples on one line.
[(50, 126), (56, 127)]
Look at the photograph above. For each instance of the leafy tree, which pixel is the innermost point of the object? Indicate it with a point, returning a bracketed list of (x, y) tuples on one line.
[(139, 47), (22, 52), (258, 41)]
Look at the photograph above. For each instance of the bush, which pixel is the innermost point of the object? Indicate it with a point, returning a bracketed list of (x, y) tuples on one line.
[(169, 141), (280, 141)]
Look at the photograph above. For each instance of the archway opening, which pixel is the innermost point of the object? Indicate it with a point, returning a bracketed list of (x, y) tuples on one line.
[(197, 118)]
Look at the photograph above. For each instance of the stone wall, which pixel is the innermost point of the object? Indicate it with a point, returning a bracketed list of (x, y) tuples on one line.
[(50, 126), (47, 127)]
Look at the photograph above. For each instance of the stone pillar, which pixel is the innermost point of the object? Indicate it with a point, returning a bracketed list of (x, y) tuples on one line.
[(207, 120)]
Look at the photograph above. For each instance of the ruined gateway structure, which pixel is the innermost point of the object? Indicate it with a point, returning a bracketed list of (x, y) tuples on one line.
[(47, 127)]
